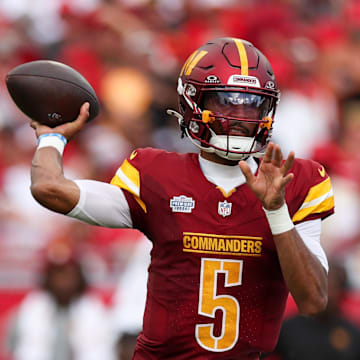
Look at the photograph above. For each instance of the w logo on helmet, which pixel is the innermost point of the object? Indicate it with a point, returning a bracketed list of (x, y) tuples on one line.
[(191, 62)]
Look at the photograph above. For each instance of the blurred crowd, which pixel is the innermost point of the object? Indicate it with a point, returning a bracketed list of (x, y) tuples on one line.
[(131, 52)]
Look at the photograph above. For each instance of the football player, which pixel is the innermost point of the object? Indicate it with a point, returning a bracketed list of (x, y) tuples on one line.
[(233, 229)]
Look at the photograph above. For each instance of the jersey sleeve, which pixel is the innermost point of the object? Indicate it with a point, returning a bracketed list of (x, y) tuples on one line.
[(128, 178), (101, 204), (312, 193)]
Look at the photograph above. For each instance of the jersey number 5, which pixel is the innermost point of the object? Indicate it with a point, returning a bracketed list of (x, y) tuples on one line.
[(209, 302)]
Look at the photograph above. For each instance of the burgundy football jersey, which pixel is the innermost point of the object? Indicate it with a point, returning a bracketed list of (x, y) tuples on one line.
[(215, 287)]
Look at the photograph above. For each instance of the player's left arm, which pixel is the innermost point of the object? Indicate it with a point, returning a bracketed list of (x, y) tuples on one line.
[(305, 276)]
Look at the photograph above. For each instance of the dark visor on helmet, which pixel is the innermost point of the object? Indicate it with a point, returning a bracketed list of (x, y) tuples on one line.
[(236, 104)]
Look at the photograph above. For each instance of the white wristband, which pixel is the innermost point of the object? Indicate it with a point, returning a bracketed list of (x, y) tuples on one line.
[(54, 140), (279, 220)]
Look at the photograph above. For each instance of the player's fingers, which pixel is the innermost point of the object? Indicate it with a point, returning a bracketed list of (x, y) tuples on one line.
[(277, 156), (288, 163), (69, 129), (286, 179), (245, 168), (269, 153)]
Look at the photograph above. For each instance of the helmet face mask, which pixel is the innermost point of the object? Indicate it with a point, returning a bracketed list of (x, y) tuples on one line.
[(227, 98), (233, 109)]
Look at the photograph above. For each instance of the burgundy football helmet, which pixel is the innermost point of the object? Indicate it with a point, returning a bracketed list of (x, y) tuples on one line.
[(227, 99)]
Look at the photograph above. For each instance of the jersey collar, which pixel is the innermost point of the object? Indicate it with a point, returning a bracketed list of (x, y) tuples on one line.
[(225, 176)]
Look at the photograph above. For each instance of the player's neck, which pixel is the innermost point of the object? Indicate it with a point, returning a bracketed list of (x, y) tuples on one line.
[(217, 159)]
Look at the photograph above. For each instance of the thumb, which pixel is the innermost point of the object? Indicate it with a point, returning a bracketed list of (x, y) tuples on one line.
[(84, 113), (79, 122)]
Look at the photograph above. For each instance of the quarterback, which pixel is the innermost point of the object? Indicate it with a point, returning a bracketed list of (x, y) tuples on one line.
[(234, 228)]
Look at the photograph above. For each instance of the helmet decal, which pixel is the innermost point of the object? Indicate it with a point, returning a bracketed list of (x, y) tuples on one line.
[(243, 56), (194, 58), (243, 80), (212, 79), (270, 85), (189, 59), (190, 90)]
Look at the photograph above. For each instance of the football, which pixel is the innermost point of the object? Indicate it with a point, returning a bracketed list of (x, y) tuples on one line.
[(50, 92)]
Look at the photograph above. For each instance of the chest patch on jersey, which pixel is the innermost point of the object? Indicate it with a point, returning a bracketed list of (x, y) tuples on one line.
[(182, 204), (224, 208)]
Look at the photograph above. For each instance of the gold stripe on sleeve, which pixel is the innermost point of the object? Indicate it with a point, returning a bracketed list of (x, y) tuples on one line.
[(131, 173), (323, 206), (318, 190), (128, 178), (118, 182), (319, 198)]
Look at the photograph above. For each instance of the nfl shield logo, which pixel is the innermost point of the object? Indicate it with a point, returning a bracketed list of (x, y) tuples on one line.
[(224, 208)]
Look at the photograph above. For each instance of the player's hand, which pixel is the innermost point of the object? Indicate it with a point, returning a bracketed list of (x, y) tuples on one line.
[(69, 130), (272, 177)]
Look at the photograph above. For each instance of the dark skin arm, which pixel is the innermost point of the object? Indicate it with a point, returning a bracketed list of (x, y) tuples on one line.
[(304, 275), (48, 184)]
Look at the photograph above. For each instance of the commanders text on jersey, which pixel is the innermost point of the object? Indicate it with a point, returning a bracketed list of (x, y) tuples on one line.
[(225, 244)]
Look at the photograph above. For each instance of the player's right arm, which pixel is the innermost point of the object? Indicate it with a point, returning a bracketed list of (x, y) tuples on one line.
[(48, 184), (93, 202)]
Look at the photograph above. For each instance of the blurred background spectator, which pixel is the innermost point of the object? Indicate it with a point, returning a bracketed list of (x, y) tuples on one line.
[(129, 300), (61, 320), (125, 346), (131, 51), (328, 336)]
